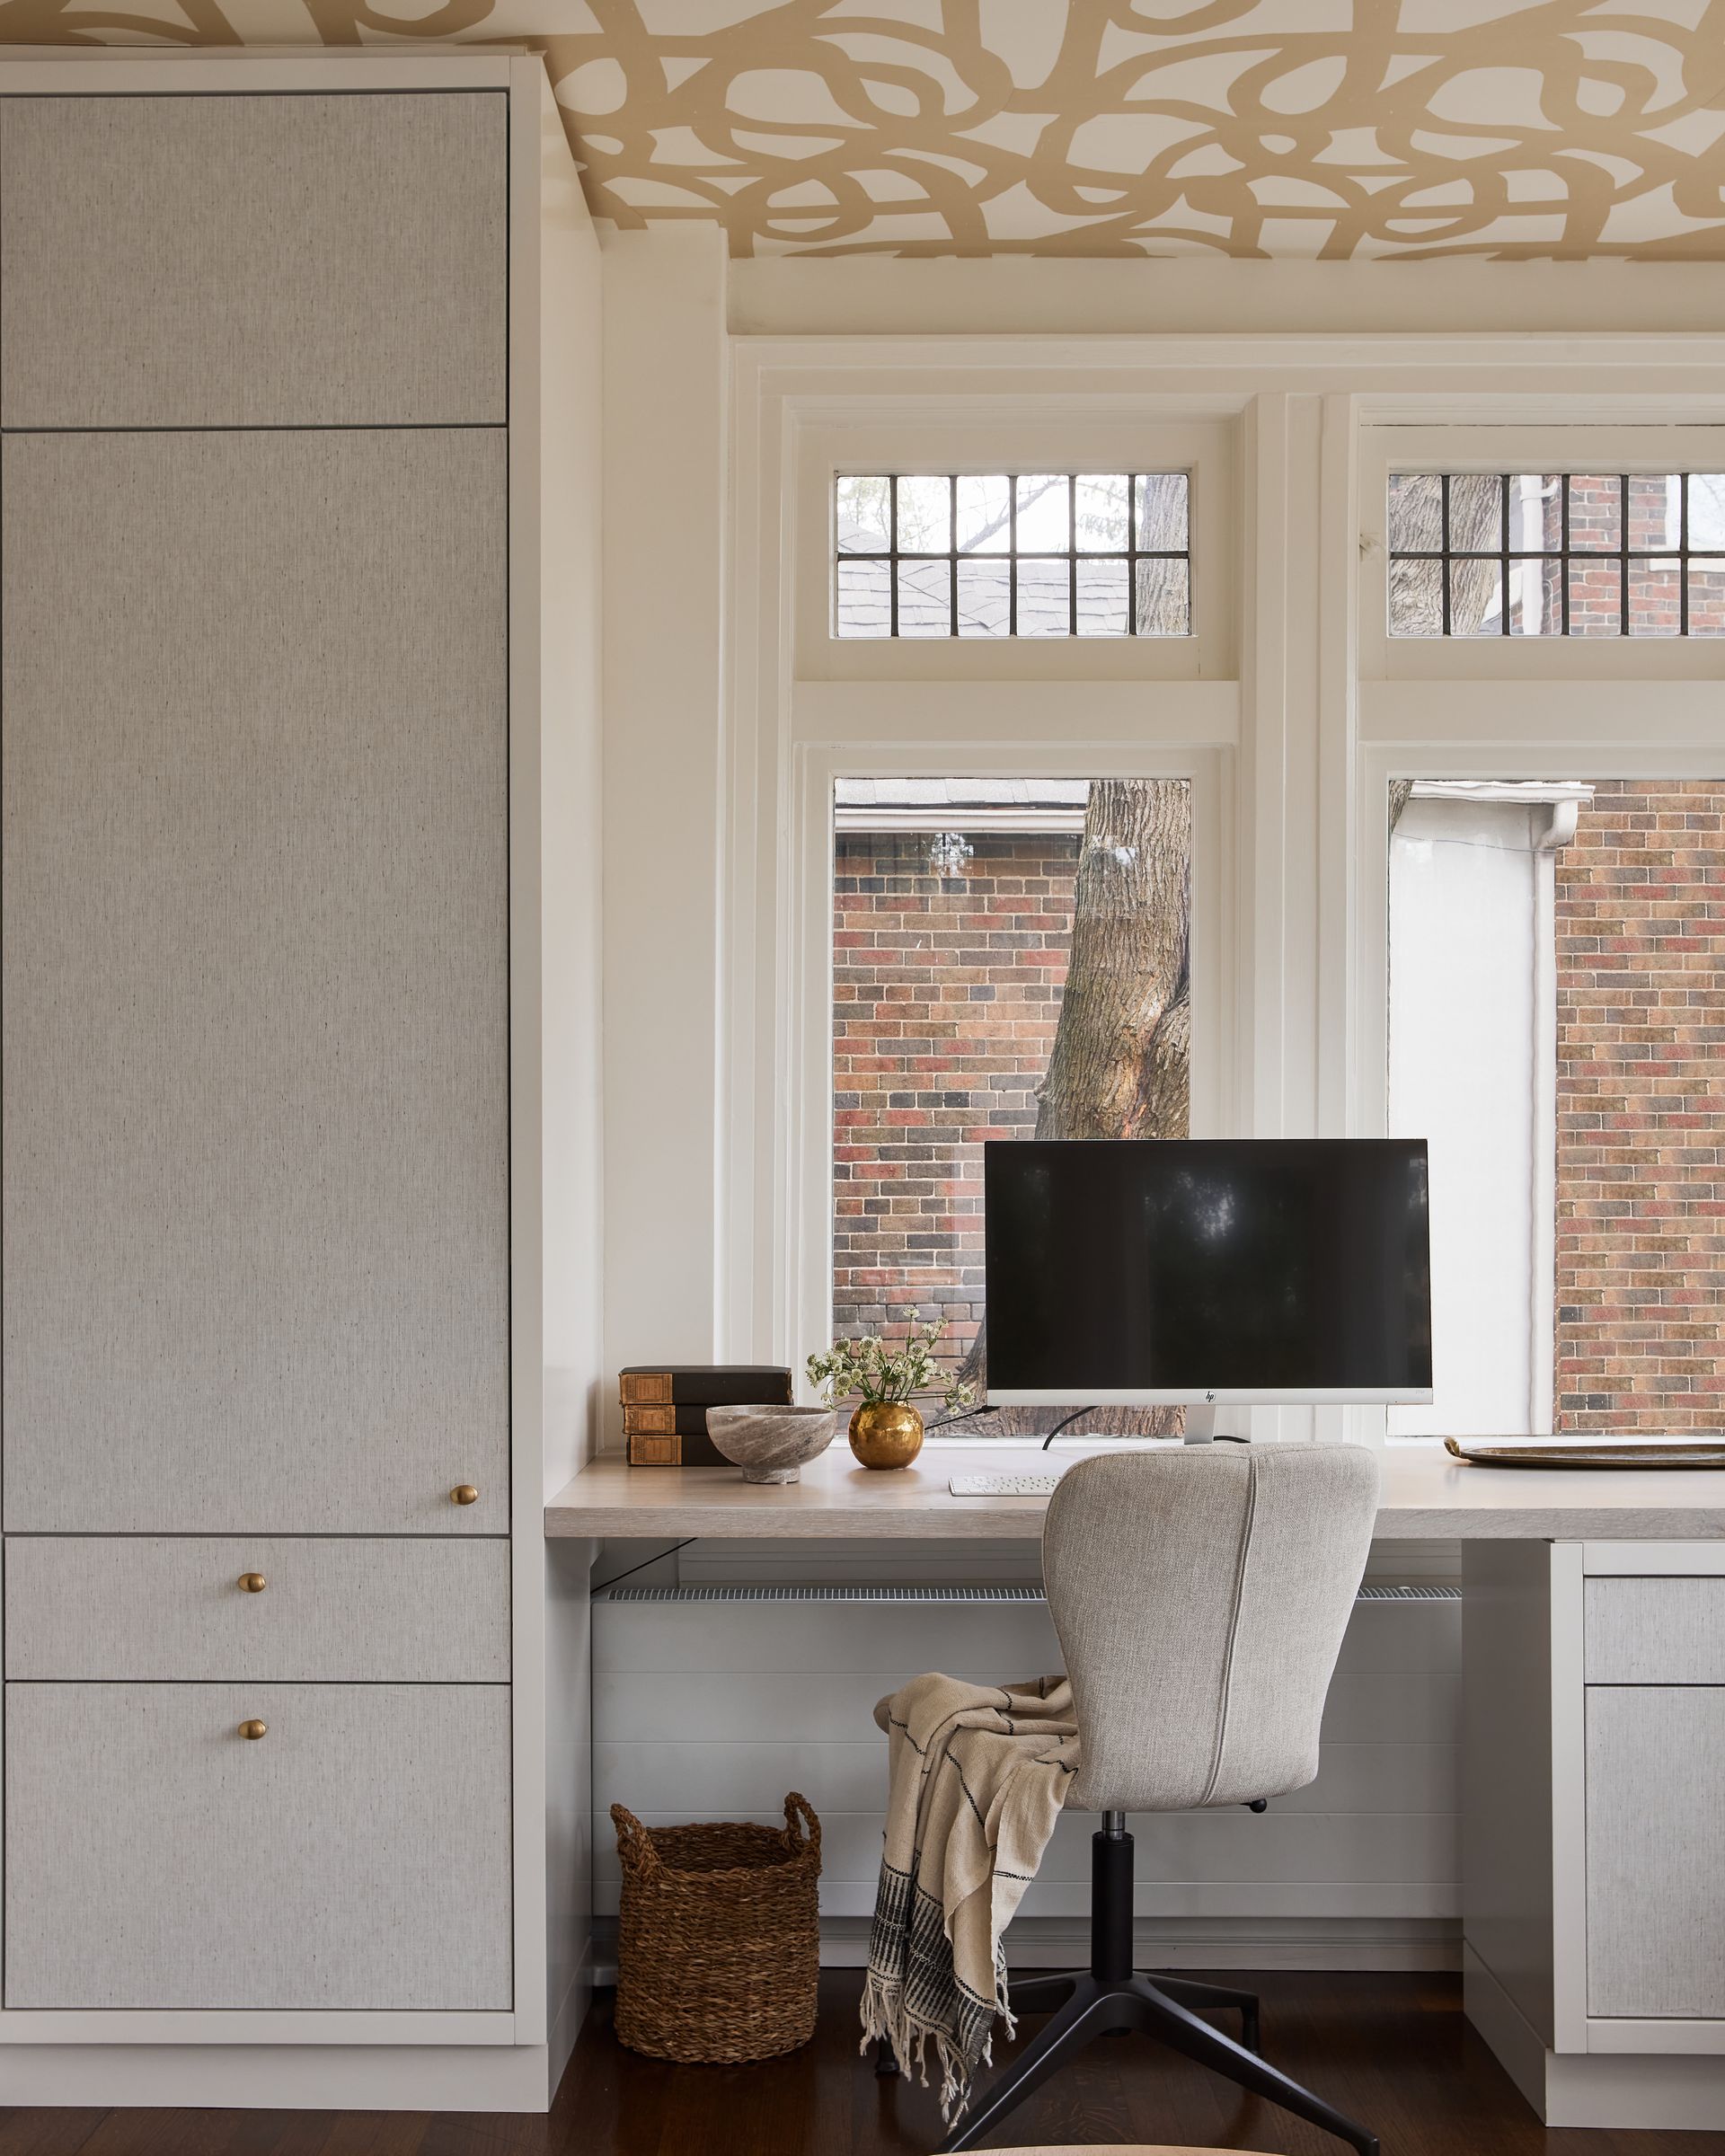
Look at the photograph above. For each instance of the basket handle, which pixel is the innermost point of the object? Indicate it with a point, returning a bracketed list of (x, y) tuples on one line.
[(798, 1807), (636, 1849)]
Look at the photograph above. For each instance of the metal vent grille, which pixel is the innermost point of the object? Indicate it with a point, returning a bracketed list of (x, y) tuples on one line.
[(726, 1594), (932, 1594)]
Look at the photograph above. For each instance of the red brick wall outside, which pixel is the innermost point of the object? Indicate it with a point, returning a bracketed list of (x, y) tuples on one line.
[(946, 995), (1641, 1110), (1596, 586)]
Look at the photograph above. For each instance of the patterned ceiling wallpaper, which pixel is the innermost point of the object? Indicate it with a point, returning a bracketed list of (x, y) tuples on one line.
[(1280, 128)]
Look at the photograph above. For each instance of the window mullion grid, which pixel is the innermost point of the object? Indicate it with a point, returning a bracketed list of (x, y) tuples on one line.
[(1012, 553), (952, 544), (1622, 553), (1072, 554), (892, 550), (1132, 554), (1563, 552), (1503, 551), (1443, 553), (1682, 553)]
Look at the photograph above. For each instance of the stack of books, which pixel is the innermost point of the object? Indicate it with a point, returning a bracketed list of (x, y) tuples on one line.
[(664, 1407)]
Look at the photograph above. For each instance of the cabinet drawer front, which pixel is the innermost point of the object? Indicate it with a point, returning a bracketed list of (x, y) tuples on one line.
[(245, 261), (433, 1611), (356, 1856), (1655, 1852), (1655, 1632)]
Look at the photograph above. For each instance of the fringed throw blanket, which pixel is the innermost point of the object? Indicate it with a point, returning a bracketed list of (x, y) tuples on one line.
[(979, 1775)]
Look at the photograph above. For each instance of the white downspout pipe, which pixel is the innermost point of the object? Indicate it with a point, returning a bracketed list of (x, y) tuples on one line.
[(1560, 817)]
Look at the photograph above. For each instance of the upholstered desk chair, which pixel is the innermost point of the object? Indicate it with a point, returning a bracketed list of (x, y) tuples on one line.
[(1200, 1597)]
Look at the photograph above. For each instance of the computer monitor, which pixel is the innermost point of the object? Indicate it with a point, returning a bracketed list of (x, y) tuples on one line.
[(1256, 1271)]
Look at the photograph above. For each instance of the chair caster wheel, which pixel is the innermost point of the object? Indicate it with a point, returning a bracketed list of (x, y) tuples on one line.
[(886, 2067)]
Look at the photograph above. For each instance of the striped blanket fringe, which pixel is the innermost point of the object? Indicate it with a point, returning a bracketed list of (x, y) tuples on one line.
[(978, 1773), (926, 2004)]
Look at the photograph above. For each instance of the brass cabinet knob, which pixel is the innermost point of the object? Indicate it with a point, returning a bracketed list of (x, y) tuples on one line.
[(254, 1730), (464, 1493), (253, 1583)]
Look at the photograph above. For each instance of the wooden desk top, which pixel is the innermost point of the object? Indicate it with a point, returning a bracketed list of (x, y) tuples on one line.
[(1427, 1496)]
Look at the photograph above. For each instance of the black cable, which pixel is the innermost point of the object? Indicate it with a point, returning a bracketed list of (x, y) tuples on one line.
[(1075, 1415), (969, 1415), (642, 1566)]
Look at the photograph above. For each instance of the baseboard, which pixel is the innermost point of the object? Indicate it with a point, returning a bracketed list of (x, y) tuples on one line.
[(569, 2013), (1670, 2094), (1513, 2040), (1667, 2093), (286, 2077)]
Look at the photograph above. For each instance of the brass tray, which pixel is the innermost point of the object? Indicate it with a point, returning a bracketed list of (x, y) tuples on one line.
[(1692, 1453)]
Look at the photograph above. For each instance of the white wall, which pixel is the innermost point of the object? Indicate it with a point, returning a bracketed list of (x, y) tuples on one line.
[(666, 515), (1465, 1035)]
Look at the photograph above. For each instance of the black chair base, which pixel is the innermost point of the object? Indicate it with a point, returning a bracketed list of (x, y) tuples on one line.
[(1110, 1997)]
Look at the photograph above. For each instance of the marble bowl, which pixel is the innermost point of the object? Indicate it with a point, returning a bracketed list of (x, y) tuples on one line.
[(770, 1445)]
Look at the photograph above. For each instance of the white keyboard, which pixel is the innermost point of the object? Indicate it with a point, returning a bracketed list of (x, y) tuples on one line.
[(1004, 1486)]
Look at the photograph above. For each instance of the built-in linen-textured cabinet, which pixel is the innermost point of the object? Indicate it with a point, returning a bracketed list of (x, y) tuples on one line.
[(1595, 1836), (261, 1368)]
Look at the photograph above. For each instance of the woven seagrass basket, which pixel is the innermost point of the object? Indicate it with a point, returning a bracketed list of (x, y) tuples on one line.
[(719, 1940)]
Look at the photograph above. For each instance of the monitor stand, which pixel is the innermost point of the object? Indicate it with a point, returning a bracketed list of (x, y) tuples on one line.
[(1200, 1425)]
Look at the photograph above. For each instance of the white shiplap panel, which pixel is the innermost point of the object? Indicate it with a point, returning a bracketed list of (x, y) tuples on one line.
[(1010, 1639), (780, 1706), (1298, 1860), (740, 1779), (714, 1710), (1189, 1847)]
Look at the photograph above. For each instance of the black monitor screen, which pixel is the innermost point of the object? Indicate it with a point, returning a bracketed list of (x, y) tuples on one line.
[(1281, 1268)]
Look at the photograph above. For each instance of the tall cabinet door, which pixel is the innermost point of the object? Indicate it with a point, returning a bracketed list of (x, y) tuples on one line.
[(253, 920), (254, 261)]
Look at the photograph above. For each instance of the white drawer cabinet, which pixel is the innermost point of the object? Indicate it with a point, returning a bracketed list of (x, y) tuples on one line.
[(1656, 1849), (356, 1855), (1594, 1828), (357, 1609), (254, 261), (1655, 1630)]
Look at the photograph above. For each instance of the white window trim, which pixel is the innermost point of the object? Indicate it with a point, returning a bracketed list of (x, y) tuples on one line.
[(1597, 661), (1292, 746), (807, 1284), (965, 439)]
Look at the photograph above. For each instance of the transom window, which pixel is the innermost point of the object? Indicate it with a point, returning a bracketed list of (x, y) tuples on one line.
[(1516, 554), (1051, 554)]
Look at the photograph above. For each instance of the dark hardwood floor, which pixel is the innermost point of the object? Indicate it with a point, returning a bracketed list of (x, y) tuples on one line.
[(1393, 2050)]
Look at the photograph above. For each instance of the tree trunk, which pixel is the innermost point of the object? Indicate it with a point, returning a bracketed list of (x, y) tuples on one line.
[(1119, 1066), (1130, 925), (1416, 589)]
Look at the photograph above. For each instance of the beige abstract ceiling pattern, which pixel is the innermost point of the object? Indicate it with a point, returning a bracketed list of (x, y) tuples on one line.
[(1328, 129)]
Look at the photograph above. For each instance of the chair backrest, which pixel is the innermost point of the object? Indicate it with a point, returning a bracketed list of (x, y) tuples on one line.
[(1200, 1596)]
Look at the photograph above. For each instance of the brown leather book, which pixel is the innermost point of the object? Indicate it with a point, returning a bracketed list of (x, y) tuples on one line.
[(703, 1385), (665, 1421), (666, 1448)]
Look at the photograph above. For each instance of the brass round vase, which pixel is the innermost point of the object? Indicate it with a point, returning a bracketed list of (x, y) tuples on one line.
[(886, 1433)]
